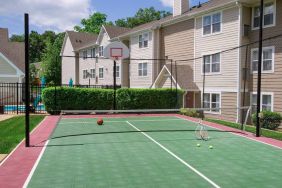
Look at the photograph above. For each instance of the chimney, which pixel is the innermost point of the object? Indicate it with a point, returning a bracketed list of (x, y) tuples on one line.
[(180, 7), (4, 36)]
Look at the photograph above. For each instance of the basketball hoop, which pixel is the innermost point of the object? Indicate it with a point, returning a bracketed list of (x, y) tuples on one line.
[(116, 51)]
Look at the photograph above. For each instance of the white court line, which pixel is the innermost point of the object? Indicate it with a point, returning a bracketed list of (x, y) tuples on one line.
[(175, 156), (237, 134), (73, 122), (6, 158), (35, 165)]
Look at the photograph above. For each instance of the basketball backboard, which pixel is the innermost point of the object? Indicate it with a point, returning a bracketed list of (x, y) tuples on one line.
[(116, 51)]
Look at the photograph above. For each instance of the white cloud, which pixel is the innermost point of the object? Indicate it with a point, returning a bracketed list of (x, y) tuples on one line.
[(58, 15), (168, 3)]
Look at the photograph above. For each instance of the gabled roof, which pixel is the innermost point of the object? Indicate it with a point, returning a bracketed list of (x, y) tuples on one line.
[(114, 31), (13, 51), (80, 39)]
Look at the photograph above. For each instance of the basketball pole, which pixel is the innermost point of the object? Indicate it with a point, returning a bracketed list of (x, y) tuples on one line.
[(115, 83), (259, 70), (27, 95)]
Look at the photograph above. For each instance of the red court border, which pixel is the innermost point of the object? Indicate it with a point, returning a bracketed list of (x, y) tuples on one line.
[(18, 165)]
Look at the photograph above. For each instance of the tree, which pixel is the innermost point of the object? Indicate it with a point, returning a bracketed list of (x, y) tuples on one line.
[(93, 23), (141, 17), (32, 73), (52, 60), (17, 38)]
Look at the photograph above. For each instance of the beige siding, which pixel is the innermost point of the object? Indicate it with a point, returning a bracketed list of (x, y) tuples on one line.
[(228, 38), (140, 53), (9, 80), (271, 82), (228, 105), (68, 64), (6, 68)]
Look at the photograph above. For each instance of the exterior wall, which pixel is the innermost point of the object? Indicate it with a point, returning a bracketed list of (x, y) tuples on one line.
[(91, 63), (271, 82), (227, 79), (6, 68), (140, 53), (10, 79), (68, 64)]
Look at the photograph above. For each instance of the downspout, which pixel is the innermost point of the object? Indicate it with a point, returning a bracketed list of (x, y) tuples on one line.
[(239, 63)]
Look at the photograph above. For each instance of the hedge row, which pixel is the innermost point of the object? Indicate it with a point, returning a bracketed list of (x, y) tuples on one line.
[(64, 98)]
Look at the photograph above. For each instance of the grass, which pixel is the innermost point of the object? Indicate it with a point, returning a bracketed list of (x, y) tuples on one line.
[(264, 132), (12, 131)]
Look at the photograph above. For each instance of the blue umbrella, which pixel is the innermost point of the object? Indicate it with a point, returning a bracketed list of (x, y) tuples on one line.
[(71, 83)]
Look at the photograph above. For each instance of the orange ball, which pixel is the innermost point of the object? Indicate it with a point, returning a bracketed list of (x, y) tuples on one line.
[(100, 121)]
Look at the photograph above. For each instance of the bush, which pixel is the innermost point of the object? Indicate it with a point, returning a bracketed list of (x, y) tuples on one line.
[(76, 99), (190, 112), (269, 120), (148, 99)]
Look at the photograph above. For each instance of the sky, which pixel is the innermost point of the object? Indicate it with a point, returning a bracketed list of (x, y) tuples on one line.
[(61, 15)]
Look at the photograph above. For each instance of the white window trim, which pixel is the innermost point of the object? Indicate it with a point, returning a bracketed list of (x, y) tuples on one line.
[(273, 60), (83, 73), (94, 73), (142, 70), (274, 15), (220, 62), (101, 78), (263, 93), (148, 33), (91, 52), (83, 54), (210, 14), (102, 51), (210, 93), (118, 71)]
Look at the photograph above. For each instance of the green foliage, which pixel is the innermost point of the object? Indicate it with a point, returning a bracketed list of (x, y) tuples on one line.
[(64, 98), (93, 23), (190, 112), (52, 61), (148, 98), (264, 132), (12, 131), (141, 17), (32, 73), (17, 38), (269, 120)]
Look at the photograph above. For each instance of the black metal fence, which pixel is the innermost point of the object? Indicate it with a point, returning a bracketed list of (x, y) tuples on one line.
[(12, 96)]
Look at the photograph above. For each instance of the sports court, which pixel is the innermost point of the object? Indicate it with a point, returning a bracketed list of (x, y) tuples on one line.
[(152, 150)]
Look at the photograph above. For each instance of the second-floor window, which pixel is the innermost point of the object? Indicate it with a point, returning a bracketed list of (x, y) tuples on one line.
[(101, 72), (212, 24), (268, 15), (117, 71), (93, 52), (212, 102), (267, 59), (101, 51), (92, 73), (142, 69), (266, 102), (211, 63), (143, 40), (84, 54)]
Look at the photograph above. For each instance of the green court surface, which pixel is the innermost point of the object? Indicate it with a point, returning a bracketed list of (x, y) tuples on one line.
[(165, 154)]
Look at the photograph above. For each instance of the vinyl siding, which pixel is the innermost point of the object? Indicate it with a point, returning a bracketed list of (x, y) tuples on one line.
[(271, 82), (140, 53), (6, 68), (228, 38), (9, 80), (68, 64)]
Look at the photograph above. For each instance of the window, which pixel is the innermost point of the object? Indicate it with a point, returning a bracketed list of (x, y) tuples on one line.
[(84, 54), (212, 102), (267, 57), (117, 71), (143, 40), (93, 52), (101, 72), (212, 24), (268, 17), (101, 51), (211, 63), (142, 69), (92, 73), (266, 102), (85, 74)]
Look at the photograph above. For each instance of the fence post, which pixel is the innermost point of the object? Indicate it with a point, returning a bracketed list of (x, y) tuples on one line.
[(17, 98)]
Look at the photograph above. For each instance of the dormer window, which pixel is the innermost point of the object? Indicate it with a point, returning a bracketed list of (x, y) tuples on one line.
[(84, 54), (268, 15), (101, 51)]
